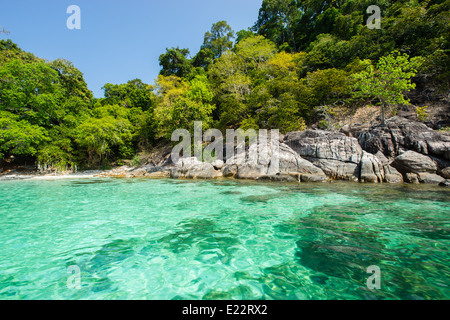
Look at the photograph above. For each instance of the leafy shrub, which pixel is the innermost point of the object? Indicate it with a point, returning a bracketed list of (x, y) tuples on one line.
[(323, 124), (136, 161), (422, 113), (445, 130)]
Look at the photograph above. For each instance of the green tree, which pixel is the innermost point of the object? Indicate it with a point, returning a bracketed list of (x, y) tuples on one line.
[(277, 20), (329, 85), (327, 51), (219, 38), (133, 94), (58, 152), (254, 51), (176, 62), (389, 81), (99, 137), (182, 103), (256, 87), (32, 90), (280, 97), (136, 101), (204, 58), (244, 34), (232, 77), (19, 137), (10, 51), (71, 80)]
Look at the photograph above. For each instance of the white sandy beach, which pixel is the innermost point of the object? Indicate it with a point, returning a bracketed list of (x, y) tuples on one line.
[(52, 176)]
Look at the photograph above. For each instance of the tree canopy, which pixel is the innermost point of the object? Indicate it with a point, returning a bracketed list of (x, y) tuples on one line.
[(389, 81), (298, 61)]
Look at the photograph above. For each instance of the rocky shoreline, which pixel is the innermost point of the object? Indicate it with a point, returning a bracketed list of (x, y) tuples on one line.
[(403, 151)]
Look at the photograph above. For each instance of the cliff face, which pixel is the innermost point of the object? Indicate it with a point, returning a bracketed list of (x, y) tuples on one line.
[(401, 151)]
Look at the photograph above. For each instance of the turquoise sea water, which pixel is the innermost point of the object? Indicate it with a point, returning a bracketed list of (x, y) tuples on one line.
[(168, 239)]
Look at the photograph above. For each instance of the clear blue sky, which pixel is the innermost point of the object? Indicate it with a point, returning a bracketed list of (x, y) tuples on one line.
[(119, 40)]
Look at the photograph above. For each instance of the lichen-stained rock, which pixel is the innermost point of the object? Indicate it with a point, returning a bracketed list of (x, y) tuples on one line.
[(414, 162), (417, 150), (403, 150), (120, 172), (417, 168), (335, 153), (376, 168), (390, 174), (147, 171), (192, 168), (290, 161)]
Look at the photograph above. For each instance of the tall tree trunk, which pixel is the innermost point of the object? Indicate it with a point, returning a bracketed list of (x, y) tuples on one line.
[(383, 119)]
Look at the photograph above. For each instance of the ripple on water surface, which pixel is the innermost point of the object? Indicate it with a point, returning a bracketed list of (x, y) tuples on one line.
[(165, 239)]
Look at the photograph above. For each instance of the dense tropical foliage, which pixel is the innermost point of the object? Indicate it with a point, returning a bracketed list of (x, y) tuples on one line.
[(299, 60)]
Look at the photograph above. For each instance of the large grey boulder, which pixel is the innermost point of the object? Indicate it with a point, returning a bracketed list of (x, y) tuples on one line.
[(403, 150), (445, 173), (401, 134), (430, 178), (371, 169), (335, 153), (391, 175), (218, 164), (260, 163), (414, 162), (320, 144), (418, 168), (338, 170), (229, 170), (414, 148), (192, 168), (412, 178), (341, 157), (137, 173)]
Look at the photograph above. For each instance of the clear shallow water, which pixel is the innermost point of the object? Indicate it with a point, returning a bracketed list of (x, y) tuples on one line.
[(168, 239)]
